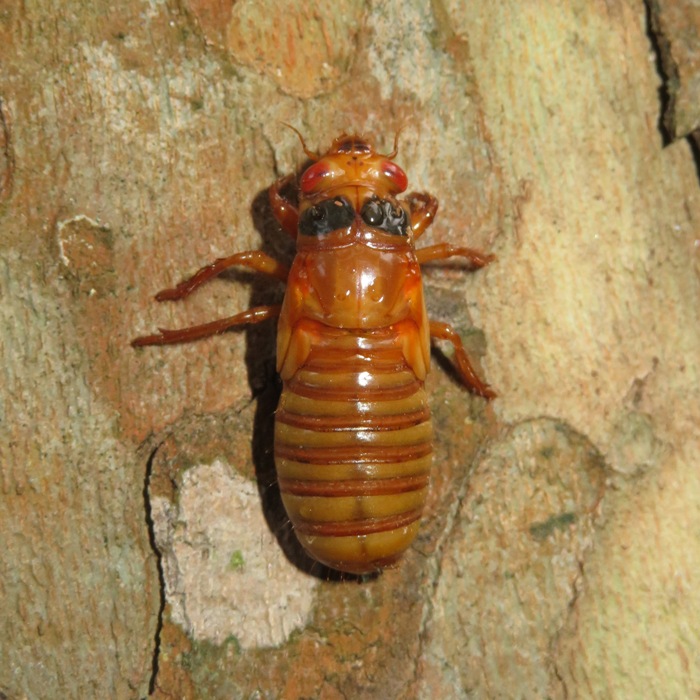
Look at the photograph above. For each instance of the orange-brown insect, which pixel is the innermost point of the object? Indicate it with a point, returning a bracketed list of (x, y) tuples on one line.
[(353, 437)]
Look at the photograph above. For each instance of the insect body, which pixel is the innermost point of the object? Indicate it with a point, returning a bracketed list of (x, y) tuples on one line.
[(353, 437)]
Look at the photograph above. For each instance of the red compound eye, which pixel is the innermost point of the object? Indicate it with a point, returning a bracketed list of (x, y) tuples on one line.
[(395, 174), (313, 176)]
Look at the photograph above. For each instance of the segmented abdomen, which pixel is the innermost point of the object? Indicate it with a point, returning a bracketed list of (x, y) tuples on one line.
[(353, 449)]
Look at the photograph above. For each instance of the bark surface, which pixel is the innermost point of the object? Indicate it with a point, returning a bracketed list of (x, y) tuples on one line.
[(144, 548)]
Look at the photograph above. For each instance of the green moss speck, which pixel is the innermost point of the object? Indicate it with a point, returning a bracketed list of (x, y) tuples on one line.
[(232, 641), (541, 531), (236, 562)]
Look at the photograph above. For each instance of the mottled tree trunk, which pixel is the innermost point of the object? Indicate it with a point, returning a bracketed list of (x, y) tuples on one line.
[(144, 549)]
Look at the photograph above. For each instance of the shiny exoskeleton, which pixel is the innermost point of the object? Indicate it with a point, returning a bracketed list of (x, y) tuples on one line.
[(353, 436)]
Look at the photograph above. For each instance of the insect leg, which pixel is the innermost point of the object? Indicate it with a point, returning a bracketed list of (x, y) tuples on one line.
[(422, 207), (441, 251), (443, 331), (254, 259), (285, 212), (183, 335)]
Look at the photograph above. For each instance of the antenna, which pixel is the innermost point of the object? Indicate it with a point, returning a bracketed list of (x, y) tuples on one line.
[(310, 154)]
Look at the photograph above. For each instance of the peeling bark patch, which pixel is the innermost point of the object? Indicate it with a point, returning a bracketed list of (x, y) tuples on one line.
[(225, 575), (307, 49), (86, 249), (514, 564), (676, 34)]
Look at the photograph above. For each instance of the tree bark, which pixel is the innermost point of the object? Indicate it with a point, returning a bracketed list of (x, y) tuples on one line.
[(145, 551)]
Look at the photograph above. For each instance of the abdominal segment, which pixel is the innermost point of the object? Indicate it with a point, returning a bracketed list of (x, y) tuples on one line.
[(353, 449)]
